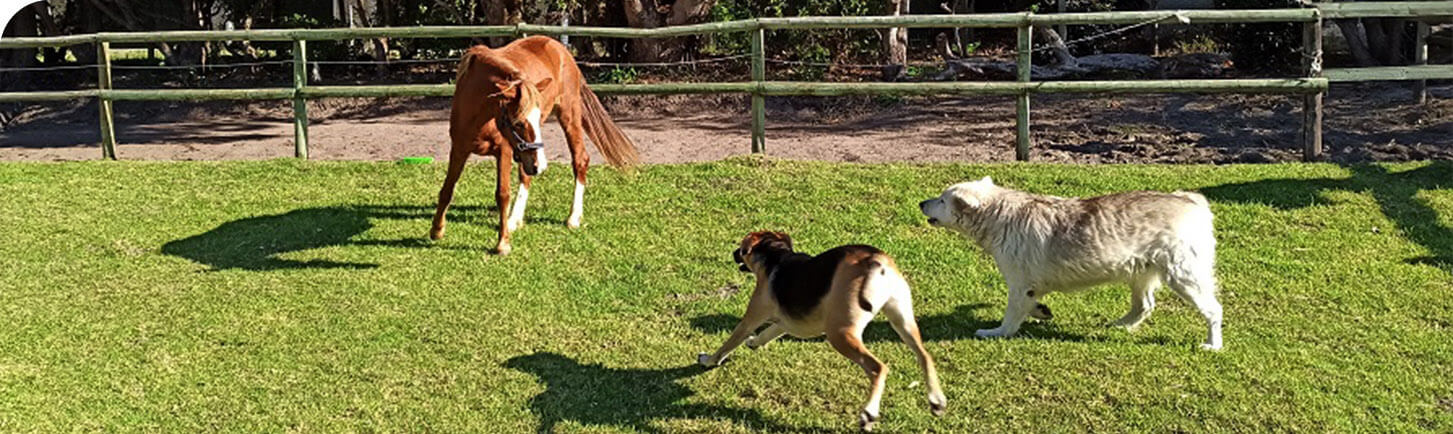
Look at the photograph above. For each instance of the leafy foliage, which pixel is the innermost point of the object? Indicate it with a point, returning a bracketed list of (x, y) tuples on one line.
[(1264, 47)]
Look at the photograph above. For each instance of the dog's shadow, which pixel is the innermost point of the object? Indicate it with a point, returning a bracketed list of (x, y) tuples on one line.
[(958, 325), (593, 394)]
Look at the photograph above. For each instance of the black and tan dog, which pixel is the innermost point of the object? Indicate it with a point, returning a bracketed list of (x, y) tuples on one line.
[(835, 293)]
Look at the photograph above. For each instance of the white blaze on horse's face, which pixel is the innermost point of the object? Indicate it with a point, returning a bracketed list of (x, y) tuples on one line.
[(539, 161)]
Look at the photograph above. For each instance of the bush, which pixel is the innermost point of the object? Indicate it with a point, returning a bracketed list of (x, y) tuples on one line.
[(1271, 48)]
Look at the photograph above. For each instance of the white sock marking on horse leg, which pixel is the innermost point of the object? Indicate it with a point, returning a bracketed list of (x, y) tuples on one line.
[(517, 211), (577, 209)]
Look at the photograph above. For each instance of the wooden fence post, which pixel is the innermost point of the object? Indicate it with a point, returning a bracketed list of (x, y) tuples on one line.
[(759, 101), (300, 105), (1420, 57), (1312, 103), (1023, 68), (103, 82)]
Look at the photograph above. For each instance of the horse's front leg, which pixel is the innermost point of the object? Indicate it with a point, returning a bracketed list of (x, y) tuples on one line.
[(517, 210), (577, 208), (502, 202)]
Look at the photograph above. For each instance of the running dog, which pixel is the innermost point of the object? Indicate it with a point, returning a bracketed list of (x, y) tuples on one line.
[(834, 293), (1044, 244)]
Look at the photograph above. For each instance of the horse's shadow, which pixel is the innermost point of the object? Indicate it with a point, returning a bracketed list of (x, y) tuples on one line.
[(1395, 194), (256, 243), (958, 325), (628, 398)]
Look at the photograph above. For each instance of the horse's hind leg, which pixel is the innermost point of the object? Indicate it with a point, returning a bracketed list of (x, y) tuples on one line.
[(446, 192), (570, 121)]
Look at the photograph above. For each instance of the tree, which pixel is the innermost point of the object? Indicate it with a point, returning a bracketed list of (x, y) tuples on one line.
[(895, 44), (1376, 41), (650, 14)]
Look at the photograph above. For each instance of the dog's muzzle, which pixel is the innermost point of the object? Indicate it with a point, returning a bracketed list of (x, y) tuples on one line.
[(923, 208)]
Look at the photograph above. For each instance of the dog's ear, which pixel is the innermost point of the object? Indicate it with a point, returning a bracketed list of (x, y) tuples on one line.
[(963, 204), (987, 180), (750, 242), (785, 239), (543, 82)]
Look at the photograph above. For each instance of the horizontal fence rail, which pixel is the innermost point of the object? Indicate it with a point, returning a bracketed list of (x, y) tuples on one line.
[(1006, 20), (1314, 84)]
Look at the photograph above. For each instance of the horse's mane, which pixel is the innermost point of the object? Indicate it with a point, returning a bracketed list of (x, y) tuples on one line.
[(487, 57)]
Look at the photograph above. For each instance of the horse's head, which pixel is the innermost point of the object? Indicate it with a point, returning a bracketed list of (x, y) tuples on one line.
[(521, 109)]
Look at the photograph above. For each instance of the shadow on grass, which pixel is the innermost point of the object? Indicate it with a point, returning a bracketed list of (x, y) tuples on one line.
[(255, 243), (958, 325), (626, 398), (1395, 193)]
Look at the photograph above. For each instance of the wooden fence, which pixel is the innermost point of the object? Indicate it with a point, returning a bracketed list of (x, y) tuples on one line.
[(1312, 84)]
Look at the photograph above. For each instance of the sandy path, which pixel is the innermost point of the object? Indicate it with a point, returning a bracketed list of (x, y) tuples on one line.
[(1363, 123)]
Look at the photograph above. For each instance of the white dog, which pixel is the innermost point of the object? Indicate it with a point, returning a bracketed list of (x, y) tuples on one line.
[(1044, 244)]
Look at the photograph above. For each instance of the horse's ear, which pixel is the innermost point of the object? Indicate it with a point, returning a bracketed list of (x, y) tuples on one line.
[(543, 82), (505, 88)]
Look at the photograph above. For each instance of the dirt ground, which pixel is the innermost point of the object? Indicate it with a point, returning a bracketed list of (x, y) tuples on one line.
[(1366, 122)]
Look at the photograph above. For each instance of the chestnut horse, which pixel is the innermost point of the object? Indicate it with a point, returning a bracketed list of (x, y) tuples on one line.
[(500, 98)]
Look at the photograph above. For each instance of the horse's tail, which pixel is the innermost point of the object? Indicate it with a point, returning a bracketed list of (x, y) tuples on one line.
[(618, 149)]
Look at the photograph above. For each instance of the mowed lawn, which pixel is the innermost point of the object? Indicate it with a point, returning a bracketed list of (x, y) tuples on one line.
[(287, 296)]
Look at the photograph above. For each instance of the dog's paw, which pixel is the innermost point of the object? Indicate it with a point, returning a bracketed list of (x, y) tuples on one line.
[(706, 360), (990, 333), (1041, 312), (1211, 347), (1128, 322), (937, 404), (867, 420)]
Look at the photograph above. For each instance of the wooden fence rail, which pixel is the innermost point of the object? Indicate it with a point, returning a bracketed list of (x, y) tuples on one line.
[(1313, 84)]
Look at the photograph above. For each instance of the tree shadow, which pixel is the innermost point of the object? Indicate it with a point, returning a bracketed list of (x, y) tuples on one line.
[(958, 325), (628, 398), (1395, 194), (255, 243)]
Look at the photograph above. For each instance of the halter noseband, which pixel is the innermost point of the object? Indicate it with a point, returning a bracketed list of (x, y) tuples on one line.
[(518, 142)]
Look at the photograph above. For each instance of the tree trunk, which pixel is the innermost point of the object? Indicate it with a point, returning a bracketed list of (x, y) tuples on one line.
[(641, 14), (1062, 54), (23, 24), (502, 13), (895, 45), (380, 45), (1356, 37), (650, 14)]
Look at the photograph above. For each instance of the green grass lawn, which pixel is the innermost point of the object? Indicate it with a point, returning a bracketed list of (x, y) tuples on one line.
[(287, 296)]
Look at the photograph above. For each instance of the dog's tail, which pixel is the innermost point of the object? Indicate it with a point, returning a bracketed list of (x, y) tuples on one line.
[(876, 269)]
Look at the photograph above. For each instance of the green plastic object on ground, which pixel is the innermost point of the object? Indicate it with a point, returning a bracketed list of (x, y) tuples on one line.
[(417, 160)]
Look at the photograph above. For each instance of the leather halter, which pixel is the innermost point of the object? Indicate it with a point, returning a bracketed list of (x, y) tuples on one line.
[(521, 146)]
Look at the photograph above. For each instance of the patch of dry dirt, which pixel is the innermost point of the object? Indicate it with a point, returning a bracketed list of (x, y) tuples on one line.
[(1369, 122)]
